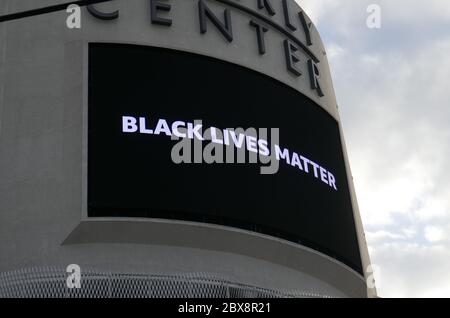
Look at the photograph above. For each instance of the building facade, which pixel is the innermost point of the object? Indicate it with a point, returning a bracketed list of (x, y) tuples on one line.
[(91, 116)]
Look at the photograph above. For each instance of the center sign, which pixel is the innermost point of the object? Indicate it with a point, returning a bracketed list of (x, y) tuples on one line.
[(261, 22)]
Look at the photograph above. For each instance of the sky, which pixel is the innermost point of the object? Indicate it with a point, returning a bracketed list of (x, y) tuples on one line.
[(393, 90)]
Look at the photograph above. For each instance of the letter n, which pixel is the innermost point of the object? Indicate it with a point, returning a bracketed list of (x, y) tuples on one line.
[(224, 28)]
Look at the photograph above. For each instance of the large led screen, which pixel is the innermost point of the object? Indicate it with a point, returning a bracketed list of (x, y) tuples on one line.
[(176, 135)]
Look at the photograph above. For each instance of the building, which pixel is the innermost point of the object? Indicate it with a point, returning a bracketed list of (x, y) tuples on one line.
[(95, 180)]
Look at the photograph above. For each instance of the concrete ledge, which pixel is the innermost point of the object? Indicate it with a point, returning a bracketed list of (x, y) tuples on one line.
[(219, 238)]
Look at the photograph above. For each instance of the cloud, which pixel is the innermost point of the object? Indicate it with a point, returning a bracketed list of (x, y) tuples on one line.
[(394, 98), (412, 270), (434, 234), (379, 236)]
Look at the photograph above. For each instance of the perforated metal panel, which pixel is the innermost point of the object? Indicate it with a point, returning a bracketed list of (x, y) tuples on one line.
[(51, 282)]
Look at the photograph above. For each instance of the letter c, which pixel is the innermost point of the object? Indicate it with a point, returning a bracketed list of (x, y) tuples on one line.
[(102, 15), (175, 130)]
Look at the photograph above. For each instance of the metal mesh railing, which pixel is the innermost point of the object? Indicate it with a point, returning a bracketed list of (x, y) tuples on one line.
[(51, 282)]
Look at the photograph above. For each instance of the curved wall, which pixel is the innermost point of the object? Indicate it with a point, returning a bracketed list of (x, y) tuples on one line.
[(43, 140)]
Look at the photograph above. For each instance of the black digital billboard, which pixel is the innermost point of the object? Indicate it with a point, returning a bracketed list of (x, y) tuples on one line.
[(161, 124)]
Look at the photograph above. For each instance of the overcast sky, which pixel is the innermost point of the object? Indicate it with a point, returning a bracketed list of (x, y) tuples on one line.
[(393, 90)]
